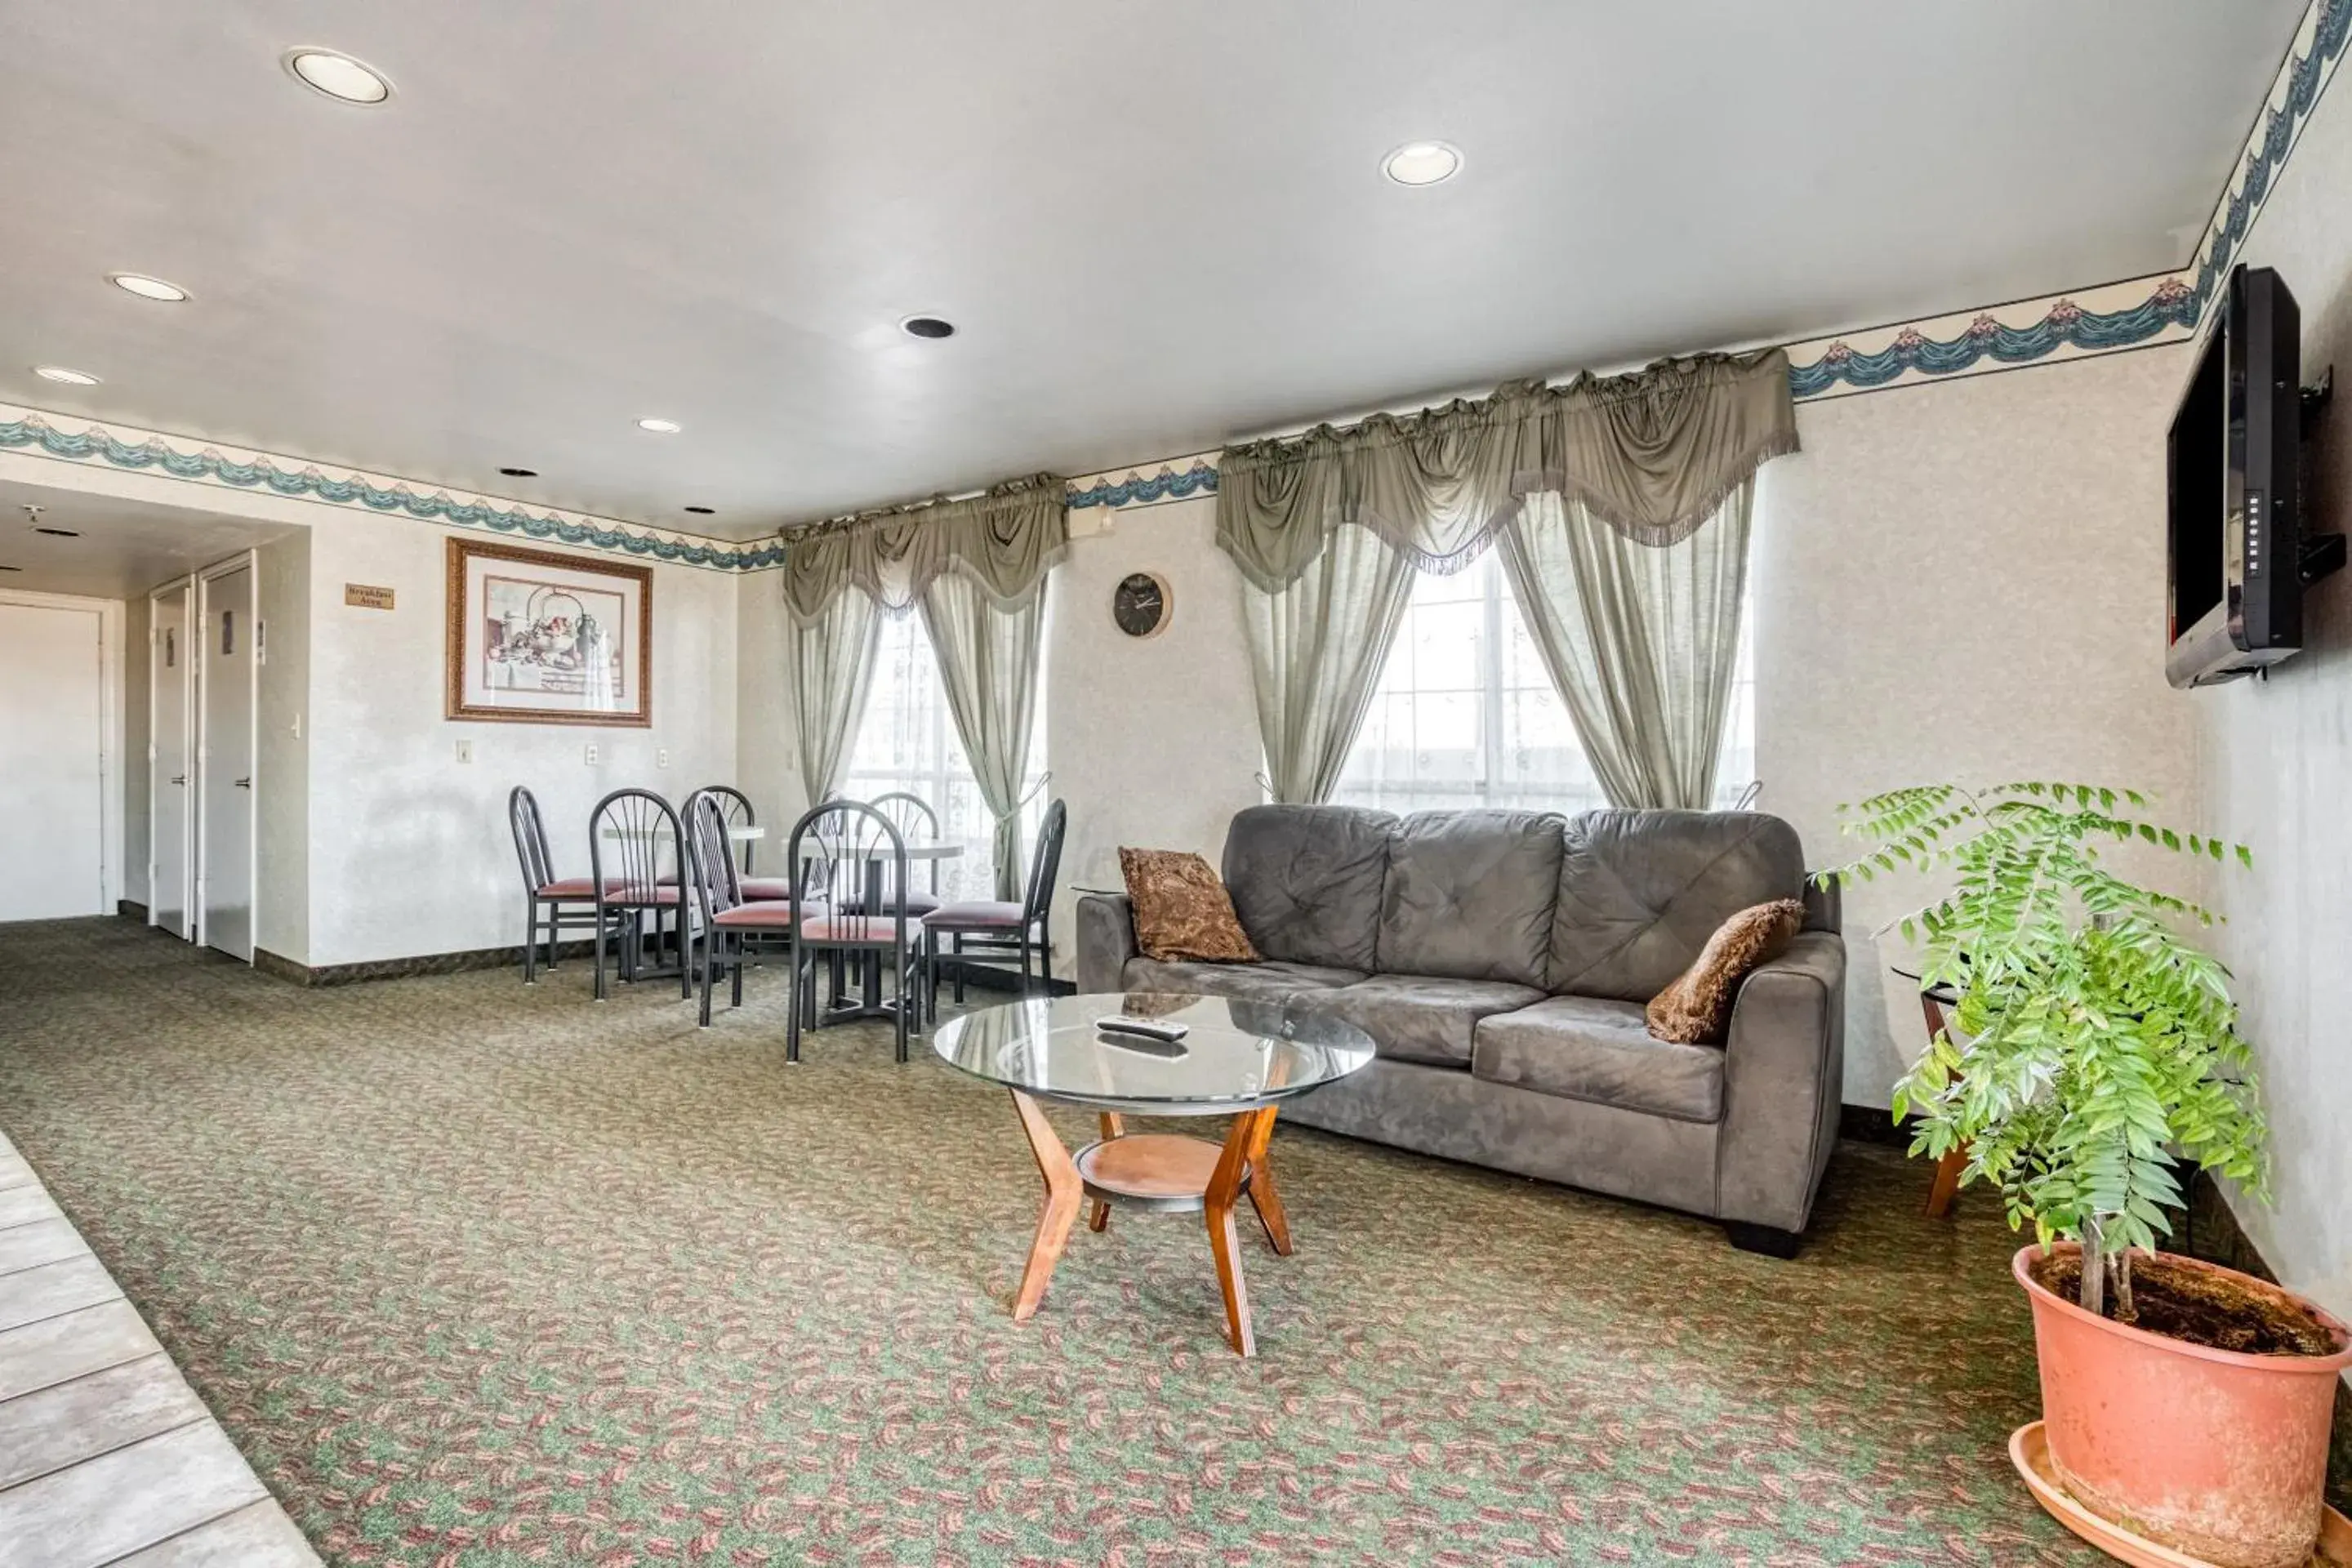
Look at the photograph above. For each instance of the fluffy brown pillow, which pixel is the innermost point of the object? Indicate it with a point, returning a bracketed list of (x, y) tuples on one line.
[(1181, 909), (1696, 1010)]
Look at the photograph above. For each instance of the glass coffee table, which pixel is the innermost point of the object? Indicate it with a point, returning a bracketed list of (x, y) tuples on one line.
[(1237, 1059)]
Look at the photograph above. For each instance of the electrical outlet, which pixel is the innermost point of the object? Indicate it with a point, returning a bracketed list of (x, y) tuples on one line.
[(661, 756), (465, 751), (297, 726), (589, 754)]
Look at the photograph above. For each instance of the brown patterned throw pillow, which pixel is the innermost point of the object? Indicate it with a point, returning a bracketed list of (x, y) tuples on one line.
[(1181, 909), (1695, 1009)]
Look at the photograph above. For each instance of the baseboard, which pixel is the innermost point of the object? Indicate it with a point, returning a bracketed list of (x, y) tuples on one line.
[(130, 911), (405, 968)]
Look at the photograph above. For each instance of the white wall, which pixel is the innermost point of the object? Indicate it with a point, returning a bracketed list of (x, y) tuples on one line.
[(1153, 741), (409, 848), (281, 919), (2275, 761), (766, 747), (1963, 582), (138, 676)]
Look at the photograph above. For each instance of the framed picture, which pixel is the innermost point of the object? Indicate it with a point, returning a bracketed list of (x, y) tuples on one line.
[(535, 638)]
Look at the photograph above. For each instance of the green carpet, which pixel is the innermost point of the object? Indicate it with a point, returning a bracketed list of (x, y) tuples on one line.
[(478, 1274)]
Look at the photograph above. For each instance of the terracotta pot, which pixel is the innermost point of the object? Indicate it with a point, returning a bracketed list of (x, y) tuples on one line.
[(2216, 1454)]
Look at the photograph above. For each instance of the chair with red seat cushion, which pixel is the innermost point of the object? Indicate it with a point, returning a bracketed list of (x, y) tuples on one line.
[(548, 900), (1000, 926), (633, 840), (848, 867)]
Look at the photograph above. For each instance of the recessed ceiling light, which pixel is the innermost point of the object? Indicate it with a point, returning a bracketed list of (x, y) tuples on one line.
[(1421, 163), (59, 372), (703, 510), (59, 532), (660, 426), (338, 76), (520, 473), (147, 288), (927, 327)]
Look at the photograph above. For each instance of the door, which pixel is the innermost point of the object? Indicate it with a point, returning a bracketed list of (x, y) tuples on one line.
[(225, 676), (172, 770), (52, 762)]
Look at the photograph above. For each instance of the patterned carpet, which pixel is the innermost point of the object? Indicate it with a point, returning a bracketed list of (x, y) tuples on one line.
[(482, 1275)]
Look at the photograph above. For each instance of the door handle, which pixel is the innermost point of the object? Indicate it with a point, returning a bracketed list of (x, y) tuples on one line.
[(179, 778), (243, 784)]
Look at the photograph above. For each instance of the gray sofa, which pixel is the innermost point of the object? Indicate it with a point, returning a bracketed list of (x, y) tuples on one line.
[(1500, 961)]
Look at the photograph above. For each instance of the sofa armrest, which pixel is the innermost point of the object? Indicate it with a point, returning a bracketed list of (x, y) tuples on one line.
[(1783, 1076), (1105, 940)]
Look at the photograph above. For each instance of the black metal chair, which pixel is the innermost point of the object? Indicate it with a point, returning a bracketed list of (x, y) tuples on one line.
[(546, 899), (993, 927), (736, 807), (917, 823), (730, 922), (634, 842), (848, 900)]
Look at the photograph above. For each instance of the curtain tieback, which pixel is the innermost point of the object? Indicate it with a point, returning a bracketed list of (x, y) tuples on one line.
[(1019, 805)]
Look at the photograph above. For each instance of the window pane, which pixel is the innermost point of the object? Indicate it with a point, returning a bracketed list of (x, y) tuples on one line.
[(1465, 715), (908, 742)]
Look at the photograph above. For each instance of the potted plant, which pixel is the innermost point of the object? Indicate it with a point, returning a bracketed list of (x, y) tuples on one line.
[(2092, 1046)]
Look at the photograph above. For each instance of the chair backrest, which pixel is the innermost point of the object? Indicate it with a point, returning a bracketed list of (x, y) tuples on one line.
[(917, 823), (531, 839), (735, 811), (634, 841), (834, 851), (709, 863), (1046, 865)]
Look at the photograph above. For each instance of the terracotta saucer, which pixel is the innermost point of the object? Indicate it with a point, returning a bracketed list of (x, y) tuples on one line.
[(2029, 1450)]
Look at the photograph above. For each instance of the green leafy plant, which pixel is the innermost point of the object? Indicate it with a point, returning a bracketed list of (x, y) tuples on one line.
[(2094, 1044)]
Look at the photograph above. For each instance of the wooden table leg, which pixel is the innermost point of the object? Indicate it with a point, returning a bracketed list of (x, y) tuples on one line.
[(1062, 1190), (1113, 1126), (1262, 1195), (1947, 1184), (1249, 1129)]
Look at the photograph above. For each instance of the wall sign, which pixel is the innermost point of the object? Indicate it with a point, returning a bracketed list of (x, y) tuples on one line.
[(367, 597)]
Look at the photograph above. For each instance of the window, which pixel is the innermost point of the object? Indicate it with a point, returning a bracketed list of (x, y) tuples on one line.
[(907, 741), (1465, 714)]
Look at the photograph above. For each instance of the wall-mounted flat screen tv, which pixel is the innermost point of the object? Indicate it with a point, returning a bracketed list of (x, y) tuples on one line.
[(2234, 461)]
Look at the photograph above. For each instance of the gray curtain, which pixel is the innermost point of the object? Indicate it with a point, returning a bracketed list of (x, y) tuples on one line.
[(976, 568), (1315, 647), (828, 665), (1640, 650), (1639, 639), (988, 662)]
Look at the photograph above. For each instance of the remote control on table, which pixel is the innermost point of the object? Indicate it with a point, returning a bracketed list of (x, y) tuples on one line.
[(1165, 1031)]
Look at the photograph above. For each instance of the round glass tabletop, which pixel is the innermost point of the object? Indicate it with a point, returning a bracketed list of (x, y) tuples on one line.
[(1235, 1055)]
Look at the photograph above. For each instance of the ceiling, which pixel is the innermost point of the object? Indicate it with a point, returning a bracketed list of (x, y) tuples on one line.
[(1156, 227), (125, 547)]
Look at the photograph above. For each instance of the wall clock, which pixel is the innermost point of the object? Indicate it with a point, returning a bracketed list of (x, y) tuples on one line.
[(1141, 604)]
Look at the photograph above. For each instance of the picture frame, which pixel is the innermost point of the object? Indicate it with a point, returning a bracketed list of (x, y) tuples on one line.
[(537, 637)]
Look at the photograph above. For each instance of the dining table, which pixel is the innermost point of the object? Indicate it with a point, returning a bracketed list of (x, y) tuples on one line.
[(879, 857)]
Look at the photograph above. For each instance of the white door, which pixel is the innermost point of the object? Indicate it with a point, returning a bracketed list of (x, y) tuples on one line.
[(225, 672), (52, 762), (171, 774)]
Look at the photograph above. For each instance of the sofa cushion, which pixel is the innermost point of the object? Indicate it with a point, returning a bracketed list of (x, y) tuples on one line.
[(1271, 981), (1593, 1048), (1470, 896), (1306, 881), (1425, 1017), (1640, 891)]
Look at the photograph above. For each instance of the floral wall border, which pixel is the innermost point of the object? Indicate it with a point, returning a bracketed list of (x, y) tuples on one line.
[(78, 441)]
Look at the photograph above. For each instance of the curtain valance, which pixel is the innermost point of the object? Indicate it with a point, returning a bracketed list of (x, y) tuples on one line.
[(1003, 542), (1653, 455)]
